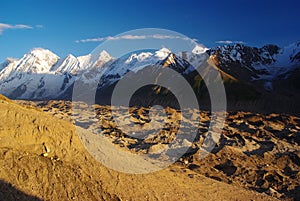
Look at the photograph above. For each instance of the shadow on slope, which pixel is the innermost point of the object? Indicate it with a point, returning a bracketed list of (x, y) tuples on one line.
[(10, 193)]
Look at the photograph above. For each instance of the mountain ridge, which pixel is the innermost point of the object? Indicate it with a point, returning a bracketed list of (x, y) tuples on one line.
[(42, 75)]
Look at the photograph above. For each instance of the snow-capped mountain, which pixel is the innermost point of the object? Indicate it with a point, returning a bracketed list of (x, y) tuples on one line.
[(41, 74), (137, 61), (253, 64)]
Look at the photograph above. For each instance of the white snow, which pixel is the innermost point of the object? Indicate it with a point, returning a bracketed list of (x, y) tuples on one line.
[(69, 64), (84, 61), (99, 60), (138, 57), (199, 49), (162, 53), (281, 62), (283, 58), (235, 55)]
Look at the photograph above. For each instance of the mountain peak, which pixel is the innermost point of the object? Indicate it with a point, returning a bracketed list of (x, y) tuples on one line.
[(71, 56), (41, 57), (42, 53), (138, 57), (102, 58), (162, 53), (198, 49), (104, 53), (38, 60), (69, 64), (171, 59)]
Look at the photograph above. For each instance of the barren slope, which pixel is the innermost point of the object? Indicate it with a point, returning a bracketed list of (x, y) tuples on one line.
[(42, 158)]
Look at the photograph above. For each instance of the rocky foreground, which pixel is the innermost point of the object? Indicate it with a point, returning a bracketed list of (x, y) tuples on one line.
[(42, 157), (259, 152)]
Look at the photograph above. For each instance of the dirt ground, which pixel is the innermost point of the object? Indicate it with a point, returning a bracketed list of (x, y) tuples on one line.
[(42, 158)]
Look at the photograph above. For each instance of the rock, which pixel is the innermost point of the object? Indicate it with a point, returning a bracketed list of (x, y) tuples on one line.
[(278, 126), (134, 120), (186, 143), (157, 148), (45, 154), (47, 149)]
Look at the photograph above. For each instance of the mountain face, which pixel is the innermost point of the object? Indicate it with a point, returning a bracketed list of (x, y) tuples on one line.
[(41, 74), (257, 65), (247, 71)]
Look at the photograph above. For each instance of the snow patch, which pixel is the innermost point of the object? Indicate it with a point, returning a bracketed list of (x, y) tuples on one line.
[(199, 49), (162, 53)]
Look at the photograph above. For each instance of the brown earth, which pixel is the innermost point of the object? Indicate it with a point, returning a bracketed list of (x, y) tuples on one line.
[(256, 151), (42, 158)]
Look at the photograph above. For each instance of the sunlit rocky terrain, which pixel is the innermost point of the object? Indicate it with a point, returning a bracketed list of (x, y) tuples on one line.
[(257, 152), (42, 158)]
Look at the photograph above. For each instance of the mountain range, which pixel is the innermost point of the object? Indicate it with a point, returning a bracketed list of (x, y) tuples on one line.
[(263, 79)]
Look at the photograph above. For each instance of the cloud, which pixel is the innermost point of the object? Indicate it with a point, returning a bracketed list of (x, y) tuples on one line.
[(229, 42), (131, 37), (21, 26), (9, 26), (39, 26)]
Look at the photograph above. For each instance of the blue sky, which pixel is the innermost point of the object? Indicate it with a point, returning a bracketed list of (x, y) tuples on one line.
[(57, 25)]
